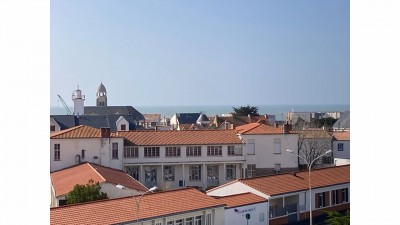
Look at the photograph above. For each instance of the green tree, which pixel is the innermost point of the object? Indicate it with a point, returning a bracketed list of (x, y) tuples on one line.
[(85, 193), (335, 218), (245, 111)]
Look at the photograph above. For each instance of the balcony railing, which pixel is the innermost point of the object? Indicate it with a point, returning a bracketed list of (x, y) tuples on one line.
[(212, 182), (276, 211)]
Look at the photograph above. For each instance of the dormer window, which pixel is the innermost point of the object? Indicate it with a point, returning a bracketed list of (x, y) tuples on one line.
[(123, 126), (52, 128)]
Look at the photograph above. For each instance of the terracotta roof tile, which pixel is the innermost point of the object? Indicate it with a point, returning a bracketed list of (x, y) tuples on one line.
[(286, 183), (80, 131), (241, 199), (341, 136), (64, 180), (183, 137), (121, 210), (258, 128)]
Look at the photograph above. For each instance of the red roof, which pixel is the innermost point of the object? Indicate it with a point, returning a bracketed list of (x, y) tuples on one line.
[(183, 137), (120, 210), (287, 183), (241, 200), (341, 136), (64, 180), (80, 131), (258, 128)]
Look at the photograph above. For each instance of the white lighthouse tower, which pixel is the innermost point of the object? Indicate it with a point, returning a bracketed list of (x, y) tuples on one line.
[(78, 98)]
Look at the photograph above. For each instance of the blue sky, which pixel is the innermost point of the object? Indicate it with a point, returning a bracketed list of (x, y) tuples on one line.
[(201, 53)]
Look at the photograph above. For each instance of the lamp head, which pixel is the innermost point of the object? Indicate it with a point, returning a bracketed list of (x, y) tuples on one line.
[(153, 188), (288, 150), (328, 151), (119, 186)]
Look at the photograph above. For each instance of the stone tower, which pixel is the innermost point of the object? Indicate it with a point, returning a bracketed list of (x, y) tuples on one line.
[(101, 95)]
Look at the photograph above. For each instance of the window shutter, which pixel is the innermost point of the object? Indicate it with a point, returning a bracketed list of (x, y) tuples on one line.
[(326, 198), (316, 200)]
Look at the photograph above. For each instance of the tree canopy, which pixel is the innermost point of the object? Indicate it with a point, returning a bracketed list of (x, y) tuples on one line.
[(335, 218), (85, 193), (245, 111)]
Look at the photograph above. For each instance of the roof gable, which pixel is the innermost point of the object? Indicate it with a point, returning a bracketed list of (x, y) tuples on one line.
[(341, 136), (80, 131), (258, 128)]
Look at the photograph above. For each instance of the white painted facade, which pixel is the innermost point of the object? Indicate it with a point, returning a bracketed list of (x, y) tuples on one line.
[(213, 169), (258, 214), (96, 150), (345, 149), (55, 124), (121, 121), (300, 199), (266, 154), (79, 105)]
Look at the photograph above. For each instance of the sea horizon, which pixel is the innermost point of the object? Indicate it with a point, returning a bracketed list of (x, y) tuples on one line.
[(211, 110)]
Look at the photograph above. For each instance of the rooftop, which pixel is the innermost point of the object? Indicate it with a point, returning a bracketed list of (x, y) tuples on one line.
[(241, 200), (120, 210), (341, 136), (258, 128), (64, 180)]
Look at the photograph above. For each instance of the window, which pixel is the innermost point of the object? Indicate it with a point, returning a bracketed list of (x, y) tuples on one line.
[(214, 150), (131, 152), (322, 199), (57, 152), (169, 173), (193, 151), (133, 171), (151, 151), (179, 222), (123, 126), (52, 128), (195, 172), (83, 153), (234, 150), (251, 170), (277, 168), (208, 219), (158, 223), (345, 194), (170, 223), (262, 217), (230, 172), (62, 202), (172, 151), (251, 147), (335, 194), (115, 150), (340, 146), (189, 221), (277, 145), (198, 220), (150, 173)]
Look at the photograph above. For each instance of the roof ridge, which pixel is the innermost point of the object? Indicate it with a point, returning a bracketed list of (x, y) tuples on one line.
[(227, 196), (104, 179)]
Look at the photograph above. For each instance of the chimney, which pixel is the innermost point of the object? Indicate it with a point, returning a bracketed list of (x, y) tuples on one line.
[(105, 132), (287, 127)]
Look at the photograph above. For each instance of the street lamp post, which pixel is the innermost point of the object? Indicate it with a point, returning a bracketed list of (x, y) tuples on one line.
[(138, 202), (309, 174)]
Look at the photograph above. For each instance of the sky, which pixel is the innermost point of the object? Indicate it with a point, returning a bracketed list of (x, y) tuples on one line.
[(150, 53)]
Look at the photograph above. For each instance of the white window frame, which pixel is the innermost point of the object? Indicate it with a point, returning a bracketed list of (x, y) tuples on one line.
[(277, 168), (194, 172), (231, 172), (115, 150), (172, 151), (131, 152), (277, 146), (169, 173), (340, 147), (251, 170), (193, 150), (57, 152), (251, 147), (151, 152), (214, 150)]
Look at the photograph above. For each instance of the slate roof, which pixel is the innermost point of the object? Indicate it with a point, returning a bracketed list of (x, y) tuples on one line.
[(240, 200), (96, 121), (343, 122), (111, 110), (258, 128), (190, 118), (287, 183), (183, 137), (123, 210), (64, 180)]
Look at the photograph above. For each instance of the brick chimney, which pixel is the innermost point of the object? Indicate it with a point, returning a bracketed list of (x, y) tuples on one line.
[(287, 127)]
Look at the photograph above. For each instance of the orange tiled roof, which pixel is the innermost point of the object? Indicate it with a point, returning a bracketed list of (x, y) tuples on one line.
[(241, 200), (64, 180), (314, 133), (121, 210), (80, 131), (183, 137), (258, 128), (341, 136), (287, 183)]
